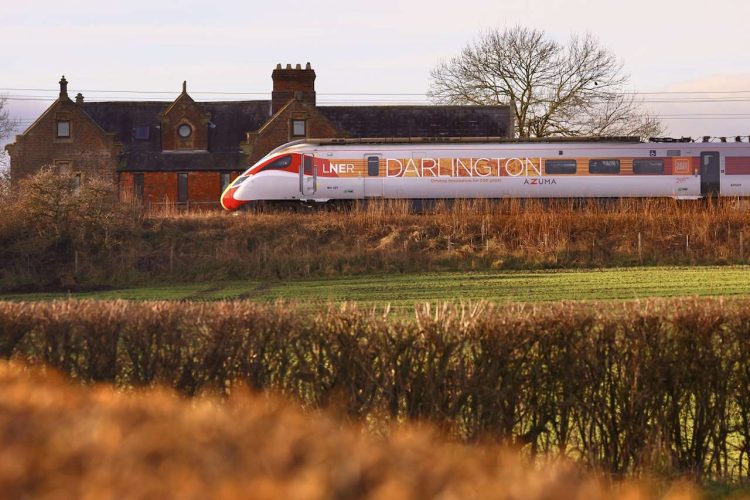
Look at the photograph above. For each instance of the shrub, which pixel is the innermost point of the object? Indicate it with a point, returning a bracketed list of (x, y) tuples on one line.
[(54, 234)]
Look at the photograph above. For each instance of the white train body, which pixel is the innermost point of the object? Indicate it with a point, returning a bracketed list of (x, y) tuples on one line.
[(325, 170)]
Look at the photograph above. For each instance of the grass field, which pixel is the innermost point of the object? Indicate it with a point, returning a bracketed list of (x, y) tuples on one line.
[(404, 290)]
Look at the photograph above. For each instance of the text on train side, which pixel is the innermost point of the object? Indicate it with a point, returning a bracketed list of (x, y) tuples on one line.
[(466, 167)]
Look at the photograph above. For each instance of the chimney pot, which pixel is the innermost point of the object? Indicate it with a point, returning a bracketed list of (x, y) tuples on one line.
[(307, 66), (278, 66), (288, 66), (299, 66), (63, 88), (184, 87), (79, 98)]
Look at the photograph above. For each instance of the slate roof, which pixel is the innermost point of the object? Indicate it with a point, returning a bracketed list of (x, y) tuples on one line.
[(420, 121), (233, 119)]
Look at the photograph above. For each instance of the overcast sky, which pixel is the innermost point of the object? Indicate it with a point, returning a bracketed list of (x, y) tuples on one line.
[(387, 46)]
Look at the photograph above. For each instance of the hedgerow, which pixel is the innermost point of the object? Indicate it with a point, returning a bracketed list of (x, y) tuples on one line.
[(657, 384)]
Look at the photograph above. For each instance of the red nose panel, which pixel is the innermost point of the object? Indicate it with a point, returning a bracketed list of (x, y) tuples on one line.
[(228, 201)]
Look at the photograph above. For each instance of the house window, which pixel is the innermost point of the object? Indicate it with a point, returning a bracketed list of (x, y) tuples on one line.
[(184, 130), (225, 178), (141, 133), (63, 129), (63, 167), (182, 188), (138, 186), (298, 128)]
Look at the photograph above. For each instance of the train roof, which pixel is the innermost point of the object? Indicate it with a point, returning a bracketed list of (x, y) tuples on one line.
[(627, 139), (544, 143), (473, 140)]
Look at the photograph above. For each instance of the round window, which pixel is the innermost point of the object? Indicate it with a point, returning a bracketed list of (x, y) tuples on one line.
[(184, 130)]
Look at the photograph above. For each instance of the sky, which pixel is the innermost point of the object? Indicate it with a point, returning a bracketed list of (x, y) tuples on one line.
[(148, 48)]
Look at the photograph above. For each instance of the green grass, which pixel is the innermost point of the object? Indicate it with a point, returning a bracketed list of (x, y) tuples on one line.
[(404, 290)]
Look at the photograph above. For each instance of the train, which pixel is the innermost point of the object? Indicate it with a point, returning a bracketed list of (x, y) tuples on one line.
[(324, 170)]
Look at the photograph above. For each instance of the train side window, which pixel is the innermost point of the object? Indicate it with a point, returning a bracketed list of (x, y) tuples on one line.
[(604, 166), (373, 166), (559, 167), (308, 165), (648, 166), (279, 163)]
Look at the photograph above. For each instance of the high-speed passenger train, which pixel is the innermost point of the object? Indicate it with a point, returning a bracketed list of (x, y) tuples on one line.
[(343, 169)]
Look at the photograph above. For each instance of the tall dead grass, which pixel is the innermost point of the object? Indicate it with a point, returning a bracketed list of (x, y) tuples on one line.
[(465, 235), (60, 440), (649, 385), (51, 238)]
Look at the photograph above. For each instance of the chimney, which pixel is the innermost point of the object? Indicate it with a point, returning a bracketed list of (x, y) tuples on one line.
[(290, 83), (79, 98), (63, 88)]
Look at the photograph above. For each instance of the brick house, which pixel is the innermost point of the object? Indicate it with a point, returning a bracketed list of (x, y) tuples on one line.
[(185, 152), (67, 138)]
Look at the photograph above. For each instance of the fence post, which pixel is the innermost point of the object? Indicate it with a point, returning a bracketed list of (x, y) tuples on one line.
[(687, 242), (75, 262), (640, 248)]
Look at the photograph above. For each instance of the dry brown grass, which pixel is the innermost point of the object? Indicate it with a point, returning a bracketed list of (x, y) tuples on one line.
[(53, 240), (480, 234), (61, 440)]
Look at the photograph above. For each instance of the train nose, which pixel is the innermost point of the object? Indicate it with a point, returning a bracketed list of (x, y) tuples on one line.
[(229, 202)]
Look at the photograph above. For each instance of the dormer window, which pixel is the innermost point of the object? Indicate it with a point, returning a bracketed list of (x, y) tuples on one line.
[(184, 130), (141, 133), (63, 129)]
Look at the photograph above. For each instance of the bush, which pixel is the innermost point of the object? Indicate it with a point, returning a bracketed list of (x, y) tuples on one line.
[(54, 234)]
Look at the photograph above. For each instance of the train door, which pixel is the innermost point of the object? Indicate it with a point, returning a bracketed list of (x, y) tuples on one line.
[(373, 181), (710, 174), (308, 176)]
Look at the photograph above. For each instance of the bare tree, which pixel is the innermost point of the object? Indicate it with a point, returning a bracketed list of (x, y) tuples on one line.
[(7, 127), (553, 89)]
